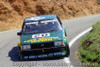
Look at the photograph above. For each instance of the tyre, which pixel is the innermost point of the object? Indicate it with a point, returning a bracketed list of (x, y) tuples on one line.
[(20, 56), (68, 50)]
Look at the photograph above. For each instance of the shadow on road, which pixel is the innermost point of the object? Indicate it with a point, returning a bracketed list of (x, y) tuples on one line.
[(14, 56)]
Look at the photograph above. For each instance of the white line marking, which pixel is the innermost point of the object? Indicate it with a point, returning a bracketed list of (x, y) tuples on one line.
[(66, 59), (78, 36)]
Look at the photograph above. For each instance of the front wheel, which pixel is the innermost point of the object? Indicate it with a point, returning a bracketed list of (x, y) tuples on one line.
[(68, 50), (20, 54), (21, 57)]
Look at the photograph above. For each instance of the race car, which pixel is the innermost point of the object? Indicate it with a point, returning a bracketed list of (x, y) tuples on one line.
[(42, 37)]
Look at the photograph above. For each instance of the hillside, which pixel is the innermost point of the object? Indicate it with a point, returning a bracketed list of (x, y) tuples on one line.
[(13, 12)]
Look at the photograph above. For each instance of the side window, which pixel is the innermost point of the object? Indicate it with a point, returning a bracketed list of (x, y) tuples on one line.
[(23, 28), (65, 31)]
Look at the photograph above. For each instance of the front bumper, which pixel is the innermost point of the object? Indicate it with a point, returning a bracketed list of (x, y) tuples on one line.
[(43, 52)]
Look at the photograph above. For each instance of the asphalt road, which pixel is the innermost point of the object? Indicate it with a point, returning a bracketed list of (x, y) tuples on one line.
[(9, 39)]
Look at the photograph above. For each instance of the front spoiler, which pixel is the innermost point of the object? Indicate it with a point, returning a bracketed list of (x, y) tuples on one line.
[(43, 55), (44, 52)]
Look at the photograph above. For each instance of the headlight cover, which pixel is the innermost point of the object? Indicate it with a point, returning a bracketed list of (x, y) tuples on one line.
[(59, 43), (25, 47)]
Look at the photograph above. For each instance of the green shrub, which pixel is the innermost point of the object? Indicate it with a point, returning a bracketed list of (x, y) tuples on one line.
[(98, 1), (89, 51)]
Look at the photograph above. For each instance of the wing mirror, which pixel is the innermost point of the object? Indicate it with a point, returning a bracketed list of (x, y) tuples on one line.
[(19, 33)]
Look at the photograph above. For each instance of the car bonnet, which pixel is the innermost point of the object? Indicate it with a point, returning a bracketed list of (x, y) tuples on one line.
[(42, 37)]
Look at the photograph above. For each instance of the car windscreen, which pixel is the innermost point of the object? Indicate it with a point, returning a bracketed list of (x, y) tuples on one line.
[(42, 26)]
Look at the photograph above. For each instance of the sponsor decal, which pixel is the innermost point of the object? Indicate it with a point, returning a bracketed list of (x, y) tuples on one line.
[(57, 53), (41, 35), (41, 39), (25, 57), (50, 54), (32, 57), (32, 23), (44, 55), (35, 18), (46, 21)]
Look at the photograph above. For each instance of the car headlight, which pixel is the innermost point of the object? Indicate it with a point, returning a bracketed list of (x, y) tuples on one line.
[(59, 43), (25, 47)]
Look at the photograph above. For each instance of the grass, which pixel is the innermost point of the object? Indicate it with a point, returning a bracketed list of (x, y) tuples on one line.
[(89, 51)]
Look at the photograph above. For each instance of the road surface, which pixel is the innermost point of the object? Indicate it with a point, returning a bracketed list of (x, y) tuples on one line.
[(9, 51)]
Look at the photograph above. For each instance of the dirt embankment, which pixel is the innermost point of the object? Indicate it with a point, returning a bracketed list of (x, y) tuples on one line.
[(13, 12)]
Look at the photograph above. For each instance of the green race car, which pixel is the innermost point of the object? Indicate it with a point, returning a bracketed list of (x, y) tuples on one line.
[(42, 37)]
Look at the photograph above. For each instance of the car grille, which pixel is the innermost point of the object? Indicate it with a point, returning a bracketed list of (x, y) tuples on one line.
[(42, 45)]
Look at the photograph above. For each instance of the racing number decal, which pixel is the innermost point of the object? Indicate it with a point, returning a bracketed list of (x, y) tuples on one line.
[(41, 35)]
